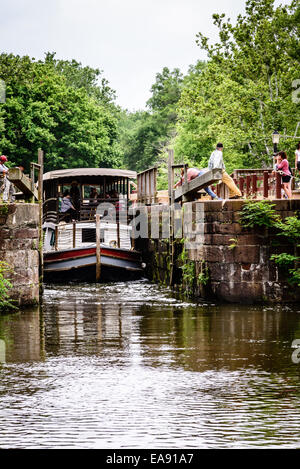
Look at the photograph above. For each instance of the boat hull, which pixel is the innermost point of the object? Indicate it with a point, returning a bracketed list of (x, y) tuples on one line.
[(80, 264)]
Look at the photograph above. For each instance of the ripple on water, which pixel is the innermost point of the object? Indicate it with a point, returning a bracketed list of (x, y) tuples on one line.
[(130, 366)]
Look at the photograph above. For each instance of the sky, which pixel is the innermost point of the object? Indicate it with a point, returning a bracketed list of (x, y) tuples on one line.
[(130, 40)]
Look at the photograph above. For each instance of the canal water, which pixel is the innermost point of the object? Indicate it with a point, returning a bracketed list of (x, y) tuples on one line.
[(129, 365)]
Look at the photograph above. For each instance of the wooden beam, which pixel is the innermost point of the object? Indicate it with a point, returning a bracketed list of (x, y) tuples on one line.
[(190, 189), (22, 182)]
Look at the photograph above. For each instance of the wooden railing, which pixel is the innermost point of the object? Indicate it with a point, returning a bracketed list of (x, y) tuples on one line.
[(254, 183), (146, 186)]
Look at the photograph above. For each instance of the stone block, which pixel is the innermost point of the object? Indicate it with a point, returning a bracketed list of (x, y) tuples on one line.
[(27, 233), (24, 214), (242, 254), (233, 205), (238, 292), (227, 228)]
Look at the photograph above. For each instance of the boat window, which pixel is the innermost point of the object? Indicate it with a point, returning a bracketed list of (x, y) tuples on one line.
[(89, 235)]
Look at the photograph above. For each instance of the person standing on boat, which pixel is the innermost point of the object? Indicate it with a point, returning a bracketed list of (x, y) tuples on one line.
[(75, 195), (67, 207)]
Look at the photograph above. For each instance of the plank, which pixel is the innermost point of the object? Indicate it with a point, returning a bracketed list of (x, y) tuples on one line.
[(206, 179), (22, 182)]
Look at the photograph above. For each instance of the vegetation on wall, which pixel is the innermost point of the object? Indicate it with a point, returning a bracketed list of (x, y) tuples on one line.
[(5, 286), (262, 214)]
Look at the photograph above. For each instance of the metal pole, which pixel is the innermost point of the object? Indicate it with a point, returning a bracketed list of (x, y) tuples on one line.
[(98, 249)]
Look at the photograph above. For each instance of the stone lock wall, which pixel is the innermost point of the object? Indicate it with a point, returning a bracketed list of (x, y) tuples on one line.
[(225, 261), (19, 248)]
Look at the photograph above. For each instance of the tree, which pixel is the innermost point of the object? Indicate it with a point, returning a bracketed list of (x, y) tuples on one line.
[(245, 91), (144, 134), (44, 109)]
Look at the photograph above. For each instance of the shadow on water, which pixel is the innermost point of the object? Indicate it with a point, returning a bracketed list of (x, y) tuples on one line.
[(131, 365)]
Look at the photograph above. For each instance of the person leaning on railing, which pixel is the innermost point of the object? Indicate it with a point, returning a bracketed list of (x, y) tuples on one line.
[(193, 173), (216, 162), (283, 168)]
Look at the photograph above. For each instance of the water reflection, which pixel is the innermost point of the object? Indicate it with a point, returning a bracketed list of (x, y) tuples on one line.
[(22, 337), (130, 365)]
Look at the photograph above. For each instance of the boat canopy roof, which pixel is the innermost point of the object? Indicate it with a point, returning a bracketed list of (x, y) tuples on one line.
[(89, 172)]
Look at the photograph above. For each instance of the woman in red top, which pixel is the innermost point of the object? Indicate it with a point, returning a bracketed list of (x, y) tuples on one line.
[(283, 167)]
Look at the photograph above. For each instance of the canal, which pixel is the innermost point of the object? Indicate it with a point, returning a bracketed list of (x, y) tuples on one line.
[(130, 365)]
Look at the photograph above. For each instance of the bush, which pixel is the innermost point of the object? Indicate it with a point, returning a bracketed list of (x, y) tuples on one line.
[(254, 214), (5, 286)]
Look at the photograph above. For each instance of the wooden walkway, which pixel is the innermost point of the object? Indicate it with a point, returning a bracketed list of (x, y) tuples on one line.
[(188, 191)]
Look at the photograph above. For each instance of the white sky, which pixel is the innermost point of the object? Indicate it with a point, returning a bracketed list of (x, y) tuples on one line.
[(130, 40)]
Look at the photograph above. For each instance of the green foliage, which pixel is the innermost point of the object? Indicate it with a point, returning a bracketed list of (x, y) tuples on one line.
[(145, 134), (3, 209), (57, 106), (188, 268), (5, 286), (254, 214), (234, 243), (284, 261), (244, 92), (203, 277), (290, 228)]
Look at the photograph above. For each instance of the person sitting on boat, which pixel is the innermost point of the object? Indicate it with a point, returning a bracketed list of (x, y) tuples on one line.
[(193, 173), (67, 207), (94, 196)]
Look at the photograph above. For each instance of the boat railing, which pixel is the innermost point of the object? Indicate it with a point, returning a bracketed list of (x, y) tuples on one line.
[(86, 209), (83, 234)]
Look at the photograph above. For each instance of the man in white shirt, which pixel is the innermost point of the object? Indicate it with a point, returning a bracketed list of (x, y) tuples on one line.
[(216, 161)]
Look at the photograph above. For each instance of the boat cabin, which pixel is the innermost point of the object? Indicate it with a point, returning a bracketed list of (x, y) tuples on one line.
[(88, 187)]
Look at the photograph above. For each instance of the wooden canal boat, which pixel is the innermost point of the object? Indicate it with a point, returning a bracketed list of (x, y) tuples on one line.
[(70, 249)]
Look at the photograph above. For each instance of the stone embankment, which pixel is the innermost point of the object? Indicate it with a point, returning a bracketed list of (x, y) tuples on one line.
[(19, 248), (217, 258)]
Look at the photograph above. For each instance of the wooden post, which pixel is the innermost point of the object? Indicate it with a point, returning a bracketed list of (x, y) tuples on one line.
[(266, 184), (171, 212), (98, 249), (56, 237), (254, 185), (248, 185), (241, 185), (118, 226), (74, 234), (40, 195), (278, 186)]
